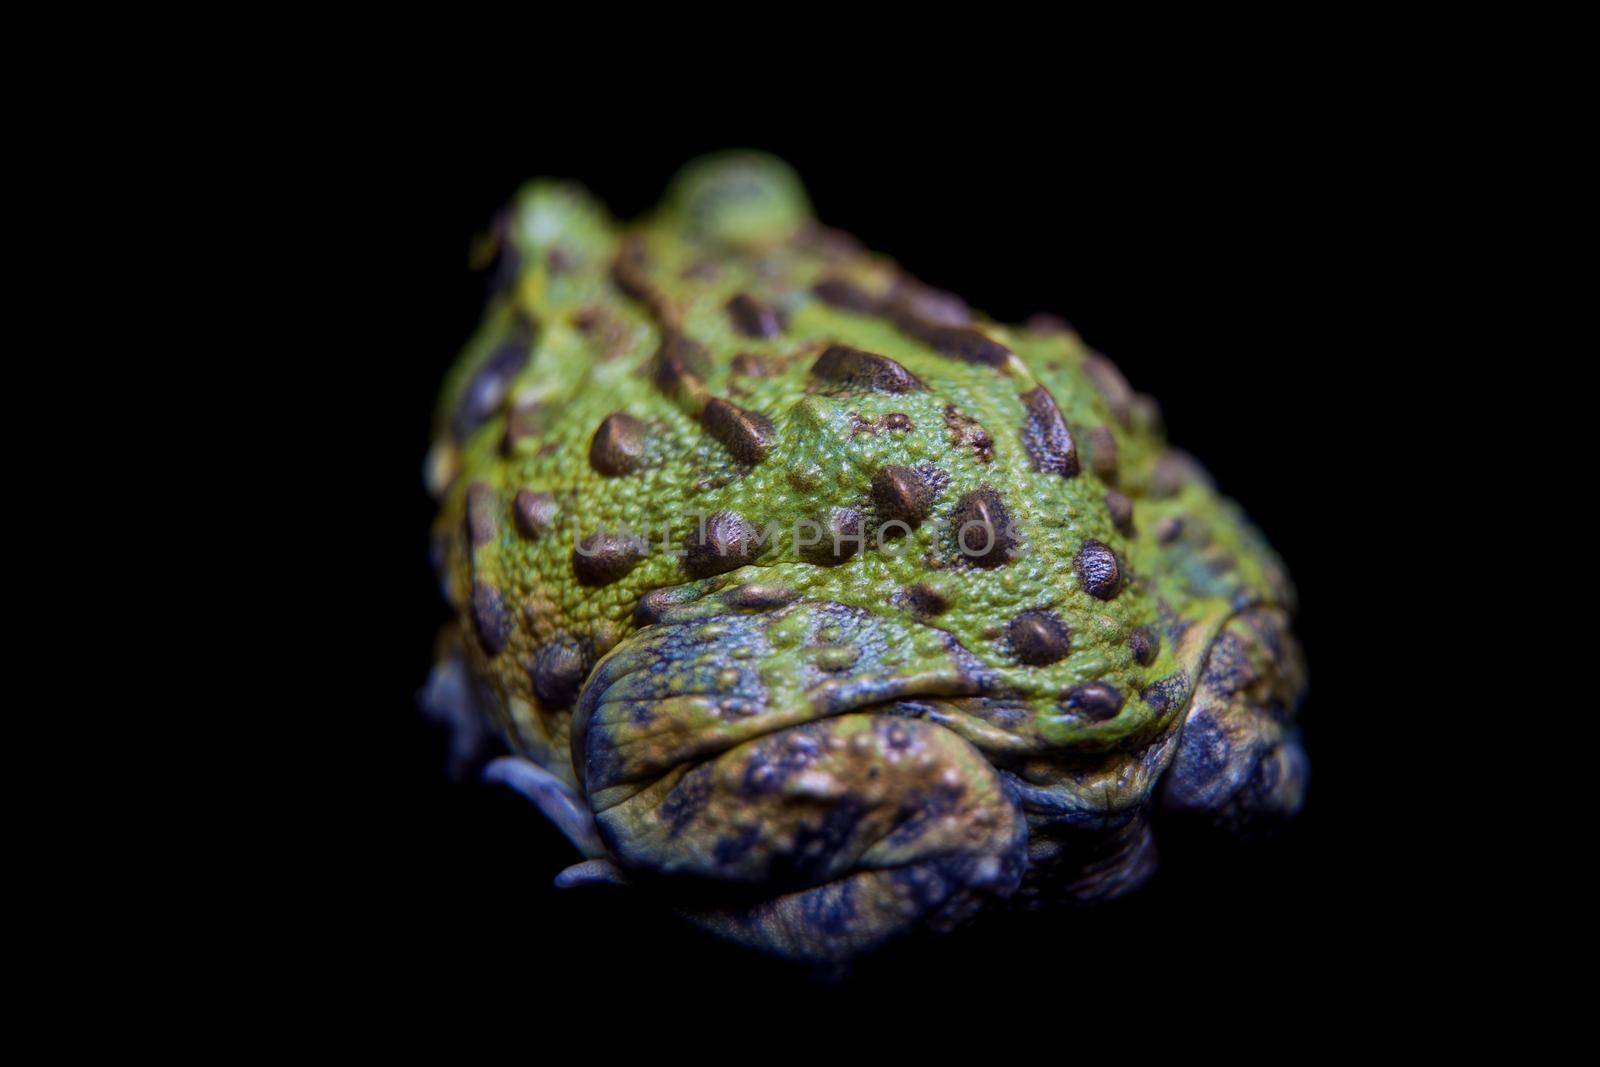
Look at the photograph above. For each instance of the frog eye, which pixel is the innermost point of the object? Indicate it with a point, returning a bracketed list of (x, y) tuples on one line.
[(740, 198)]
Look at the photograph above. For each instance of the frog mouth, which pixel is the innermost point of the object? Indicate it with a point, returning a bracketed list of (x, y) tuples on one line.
[(699, 680)]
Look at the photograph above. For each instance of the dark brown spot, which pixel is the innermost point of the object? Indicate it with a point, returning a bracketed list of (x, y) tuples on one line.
[(490, 622), (827, 242), (601, 559), (925, 602), (1110, 384), (1098, 570), (844, 365), (1038, 638), (488, 386), (481, 519), (747, 434), (1147, 414), (751, 366), (629, 273), (759, 597), (901, 493), (841, 537), (982, 528), (846, 295), (534, 512), (967, 432), (753, 318), (724, 541), (1169, 530), (701, 270), (680, 364), (916, 300), (618, 445), (1103, 453), (525, 423), (559, 669), (956, 342), (608, 334), (1173, 470), (1051, 325), (559, 261), (1145, 644), (1045, 436), (1121, 509), (897, 422), (1095, 701)]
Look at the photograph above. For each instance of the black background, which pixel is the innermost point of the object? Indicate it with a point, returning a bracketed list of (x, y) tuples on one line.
[(1222, 262)]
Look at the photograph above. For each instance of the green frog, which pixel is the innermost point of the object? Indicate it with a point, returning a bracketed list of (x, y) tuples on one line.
[(821, 607)]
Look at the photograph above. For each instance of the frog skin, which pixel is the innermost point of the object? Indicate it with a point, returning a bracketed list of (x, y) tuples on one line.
[(821, 607)]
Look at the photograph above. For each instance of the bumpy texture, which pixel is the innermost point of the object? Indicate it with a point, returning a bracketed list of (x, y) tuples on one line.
[(819, 605)]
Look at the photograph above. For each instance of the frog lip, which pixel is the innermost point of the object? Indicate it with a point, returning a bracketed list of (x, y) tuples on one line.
[(914, 696), (865, 692), (638, 703)]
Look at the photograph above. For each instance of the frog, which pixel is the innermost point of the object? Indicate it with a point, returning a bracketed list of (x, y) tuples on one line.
[(820, 607)]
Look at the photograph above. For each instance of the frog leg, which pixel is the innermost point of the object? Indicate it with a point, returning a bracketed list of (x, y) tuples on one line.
[(790, 809), (567, 811), (554, 798), (453, 697), (1239, 763)]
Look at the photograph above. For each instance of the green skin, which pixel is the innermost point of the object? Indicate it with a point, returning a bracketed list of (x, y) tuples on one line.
[(811, 750)]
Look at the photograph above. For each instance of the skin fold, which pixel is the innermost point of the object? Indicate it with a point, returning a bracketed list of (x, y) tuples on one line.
[(820, 606)]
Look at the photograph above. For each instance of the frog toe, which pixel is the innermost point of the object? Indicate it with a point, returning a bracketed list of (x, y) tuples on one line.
[(457, 699), (551, 796)]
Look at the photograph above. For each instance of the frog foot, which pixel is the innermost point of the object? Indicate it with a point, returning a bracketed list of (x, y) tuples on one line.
[(553, 797), (456, 698), (1239, 763)]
